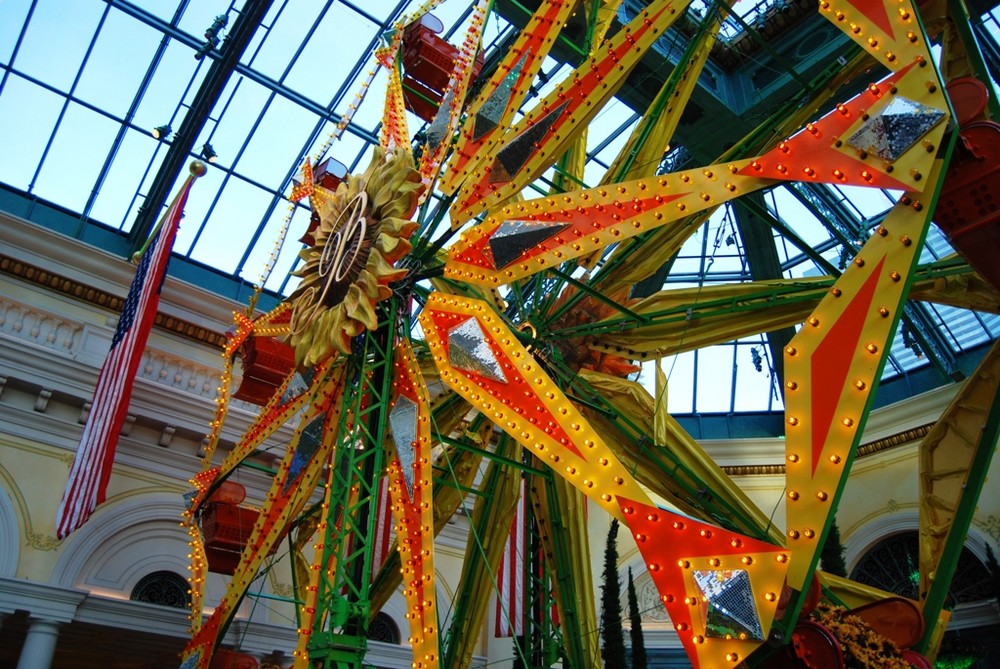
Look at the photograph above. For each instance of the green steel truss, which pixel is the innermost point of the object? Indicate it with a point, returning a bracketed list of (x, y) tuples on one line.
[(338, 639)]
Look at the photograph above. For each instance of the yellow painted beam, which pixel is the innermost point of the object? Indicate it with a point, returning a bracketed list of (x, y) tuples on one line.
[(413, 512), (553, 123), (738, 310), (513, 390), (831, 368), (290, 491), (506, 91), (946, 453), (581, 222), (635, 161), (634, 402)]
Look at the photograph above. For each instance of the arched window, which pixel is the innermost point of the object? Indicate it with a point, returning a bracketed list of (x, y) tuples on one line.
[(384, 629), (893, 564), (164, 588)]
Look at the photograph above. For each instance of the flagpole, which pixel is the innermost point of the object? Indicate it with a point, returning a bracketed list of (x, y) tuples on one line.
[(196, 169)]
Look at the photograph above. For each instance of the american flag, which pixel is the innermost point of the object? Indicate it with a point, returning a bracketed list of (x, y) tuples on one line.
[(88, 478), (510, 577)]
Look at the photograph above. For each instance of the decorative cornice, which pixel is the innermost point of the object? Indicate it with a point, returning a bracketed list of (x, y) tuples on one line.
[(865, 450), (893, 440), (40, 599), (754, 470), (91, 295)]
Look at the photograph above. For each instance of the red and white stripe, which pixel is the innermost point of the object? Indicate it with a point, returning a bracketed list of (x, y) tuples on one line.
[(91, 470), (510, 577)]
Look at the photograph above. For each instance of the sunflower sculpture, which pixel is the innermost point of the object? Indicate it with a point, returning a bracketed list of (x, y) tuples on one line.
[(363, 231)]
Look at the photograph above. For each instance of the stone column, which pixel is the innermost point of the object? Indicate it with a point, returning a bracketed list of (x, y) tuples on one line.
[(39, 645)]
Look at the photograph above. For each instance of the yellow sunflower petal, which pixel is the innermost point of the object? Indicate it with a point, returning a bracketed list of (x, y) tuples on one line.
[(391, 248), (375, 290), (360, 308), (398, 227), (352, 328), (385, 272), (333, 325), (402, 206), (368, 284)]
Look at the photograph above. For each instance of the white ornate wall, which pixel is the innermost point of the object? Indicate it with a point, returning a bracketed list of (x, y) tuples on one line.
[(10, 539)]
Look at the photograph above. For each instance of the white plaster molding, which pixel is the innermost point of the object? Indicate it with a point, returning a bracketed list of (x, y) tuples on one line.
[(39, 327), (48, 429), (39, 599), (975, 614), (909, 413), (192, 386), (10, 535), (858, 541), (253, 637), (454, 535), (134, 553), (260, 637), (170, 361), (179, 374), (36, 365), (158, 406), (65, 605), (99, 536), (94, 267), (30, 328), (131, 615), (735, 452), (135, 454), (60, 430), (263, 639), (389, 655), (651, 608), (168, 388), (130, 538)]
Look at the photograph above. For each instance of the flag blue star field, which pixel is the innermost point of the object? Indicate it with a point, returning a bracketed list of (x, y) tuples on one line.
[(88, 478)]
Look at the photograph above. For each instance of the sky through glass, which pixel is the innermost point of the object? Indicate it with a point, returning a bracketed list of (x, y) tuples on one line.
[(84, 83)]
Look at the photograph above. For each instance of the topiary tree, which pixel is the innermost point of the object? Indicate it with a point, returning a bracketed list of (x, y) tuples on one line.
[(832, 556), (612, 637), (635, 632)]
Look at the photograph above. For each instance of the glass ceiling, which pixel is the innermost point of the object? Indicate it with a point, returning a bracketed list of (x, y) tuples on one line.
[(84, 84)]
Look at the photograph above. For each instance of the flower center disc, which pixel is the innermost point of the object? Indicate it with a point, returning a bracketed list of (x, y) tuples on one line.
[(346, 250)]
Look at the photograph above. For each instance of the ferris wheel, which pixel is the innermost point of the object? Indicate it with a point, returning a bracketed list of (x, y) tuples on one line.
[(483, 351)]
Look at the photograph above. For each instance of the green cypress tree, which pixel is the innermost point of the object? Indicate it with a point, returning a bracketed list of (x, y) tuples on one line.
[(832, 555), (635, 621), (612, 637)]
